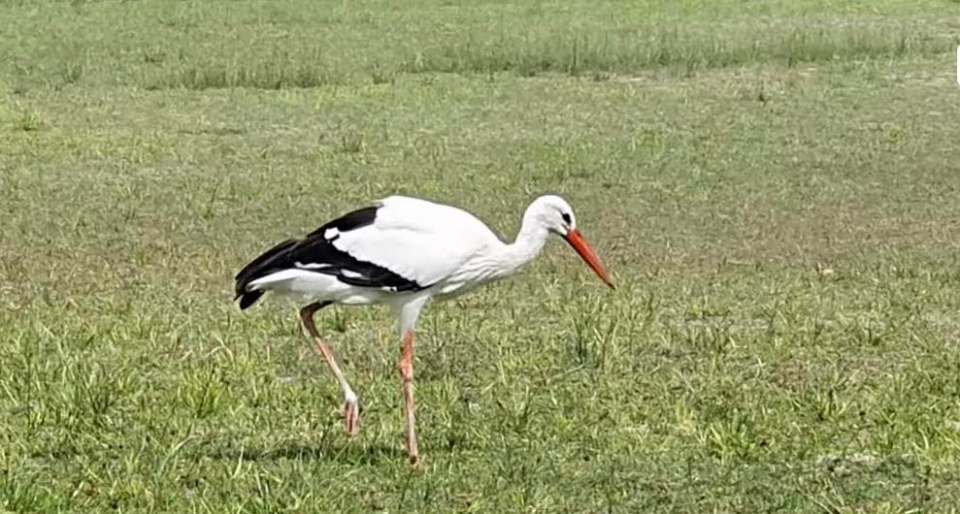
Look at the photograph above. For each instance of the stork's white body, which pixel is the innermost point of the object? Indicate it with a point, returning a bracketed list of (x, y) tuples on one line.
[(444, 248), (402, 252)]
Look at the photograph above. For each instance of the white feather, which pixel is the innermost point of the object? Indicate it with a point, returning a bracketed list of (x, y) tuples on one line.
[(311, 265), (302, 285), (350, 273), (421, 241)]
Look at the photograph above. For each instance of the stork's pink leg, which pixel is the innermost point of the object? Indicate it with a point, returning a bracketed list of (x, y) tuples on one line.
[(351, 412), (409, 406)]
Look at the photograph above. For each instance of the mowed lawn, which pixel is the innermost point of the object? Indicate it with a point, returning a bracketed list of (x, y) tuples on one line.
[(775, 187)]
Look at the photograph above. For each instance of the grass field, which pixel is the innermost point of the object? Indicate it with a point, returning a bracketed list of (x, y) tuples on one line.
[(773, 184)]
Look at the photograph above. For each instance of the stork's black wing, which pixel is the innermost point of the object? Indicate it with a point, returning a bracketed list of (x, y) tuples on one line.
[(317, 254)]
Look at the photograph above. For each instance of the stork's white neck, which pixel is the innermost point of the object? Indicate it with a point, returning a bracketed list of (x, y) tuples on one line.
[(530, 240)]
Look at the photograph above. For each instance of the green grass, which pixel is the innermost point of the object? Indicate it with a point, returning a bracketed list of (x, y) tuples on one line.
[(772, 184), (268, 45)]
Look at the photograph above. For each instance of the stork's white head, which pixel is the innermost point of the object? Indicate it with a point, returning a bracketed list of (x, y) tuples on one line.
[(555, 215), (552, 213)]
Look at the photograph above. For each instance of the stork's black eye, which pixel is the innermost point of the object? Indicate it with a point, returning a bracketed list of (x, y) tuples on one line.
[(566, 218)]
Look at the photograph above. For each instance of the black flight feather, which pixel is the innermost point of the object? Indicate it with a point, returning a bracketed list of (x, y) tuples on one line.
[(317, 249)]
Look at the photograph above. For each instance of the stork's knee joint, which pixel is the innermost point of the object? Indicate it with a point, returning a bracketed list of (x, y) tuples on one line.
[(406, 370)]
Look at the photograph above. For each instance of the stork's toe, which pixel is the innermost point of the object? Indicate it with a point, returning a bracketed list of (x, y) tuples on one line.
[(351, 418)]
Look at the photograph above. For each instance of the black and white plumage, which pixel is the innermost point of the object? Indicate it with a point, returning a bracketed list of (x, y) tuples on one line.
[(318, 253), (401, 252)]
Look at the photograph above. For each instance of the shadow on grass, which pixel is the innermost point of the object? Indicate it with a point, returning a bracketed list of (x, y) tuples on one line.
[(345, 452)]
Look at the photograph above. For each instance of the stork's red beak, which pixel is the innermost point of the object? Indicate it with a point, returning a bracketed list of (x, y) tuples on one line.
[(580, 245)]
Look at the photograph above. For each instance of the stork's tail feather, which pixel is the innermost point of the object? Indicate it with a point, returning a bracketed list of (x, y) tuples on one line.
[(249, 298), (261, 266)]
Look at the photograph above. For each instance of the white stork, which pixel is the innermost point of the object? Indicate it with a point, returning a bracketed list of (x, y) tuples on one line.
[(401, 252)]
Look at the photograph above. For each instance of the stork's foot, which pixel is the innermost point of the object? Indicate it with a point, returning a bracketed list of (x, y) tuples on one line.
[(351, 418)]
